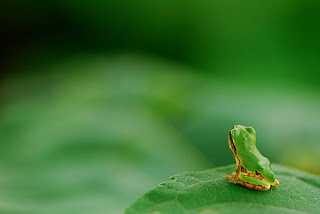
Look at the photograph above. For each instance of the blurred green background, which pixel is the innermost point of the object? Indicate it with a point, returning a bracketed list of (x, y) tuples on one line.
[(103, 100)]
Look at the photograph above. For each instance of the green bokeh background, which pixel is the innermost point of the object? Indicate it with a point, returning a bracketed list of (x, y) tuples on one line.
[(102, 100)]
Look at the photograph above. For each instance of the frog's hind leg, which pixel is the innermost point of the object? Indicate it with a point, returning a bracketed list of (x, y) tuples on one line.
[(260, 186), (253, 186), (253, 183)]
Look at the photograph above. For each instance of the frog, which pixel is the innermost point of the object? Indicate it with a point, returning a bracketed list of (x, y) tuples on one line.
[(252, 168)]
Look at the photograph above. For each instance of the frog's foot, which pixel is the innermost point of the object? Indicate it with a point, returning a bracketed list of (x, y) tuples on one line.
[(232, 178), (276, 183)]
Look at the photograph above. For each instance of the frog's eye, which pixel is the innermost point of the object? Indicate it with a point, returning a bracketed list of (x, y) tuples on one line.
[(250, 130)]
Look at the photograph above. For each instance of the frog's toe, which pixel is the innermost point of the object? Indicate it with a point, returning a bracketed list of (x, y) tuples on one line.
[(276, 183), (232, 179)]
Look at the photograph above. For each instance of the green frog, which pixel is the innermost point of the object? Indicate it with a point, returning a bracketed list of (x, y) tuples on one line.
[(253, 169)]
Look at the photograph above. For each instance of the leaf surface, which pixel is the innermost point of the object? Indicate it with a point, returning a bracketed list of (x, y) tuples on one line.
[(209, 192)]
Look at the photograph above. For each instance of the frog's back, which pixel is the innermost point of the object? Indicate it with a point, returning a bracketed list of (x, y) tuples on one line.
[(250, 157)]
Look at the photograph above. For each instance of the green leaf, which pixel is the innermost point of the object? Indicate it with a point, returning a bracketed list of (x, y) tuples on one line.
[(209, 192)]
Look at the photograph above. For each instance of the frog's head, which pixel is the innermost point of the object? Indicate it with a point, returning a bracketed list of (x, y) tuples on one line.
[(240, 133)]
